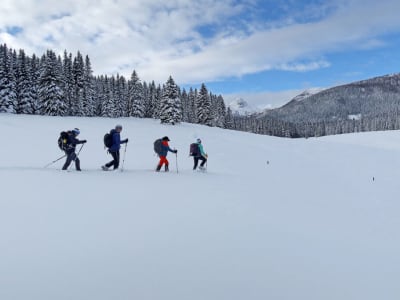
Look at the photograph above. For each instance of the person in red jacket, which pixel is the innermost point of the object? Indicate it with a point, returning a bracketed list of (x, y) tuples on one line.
[(163, 154)]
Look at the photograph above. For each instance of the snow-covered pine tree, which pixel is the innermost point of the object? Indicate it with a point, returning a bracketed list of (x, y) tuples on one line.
[(229, 119), (185, 106), (69, 85), (108, 106), (170, 106), (78, 78), (148, 104), (152, 95), (23, 86), (34, 75), (7, 81), (192, 96), (203, 107), (88, 104), (157, 102), (120, 96), (50, 86), (136, 97), (221, 112)]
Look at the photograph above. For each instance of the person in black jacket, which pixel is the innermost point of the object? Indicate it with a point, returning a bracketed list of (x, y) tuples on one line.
[(115, 147), (72, 141)]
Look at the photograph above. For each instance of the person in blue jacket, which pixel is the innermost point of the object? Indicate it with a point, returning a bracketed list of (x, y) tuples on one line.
[(71, 143), (115, 147), (199, 155)]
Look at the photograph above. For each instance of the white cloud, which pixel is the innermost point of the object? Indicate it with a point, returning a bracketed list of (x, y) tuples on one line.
[(159, 38)]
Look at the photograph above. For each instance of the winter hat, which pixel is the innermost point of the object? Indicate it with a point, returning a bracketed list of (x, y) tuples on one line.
[(199, 141), (76, 131), (118, 127), (165, 138)]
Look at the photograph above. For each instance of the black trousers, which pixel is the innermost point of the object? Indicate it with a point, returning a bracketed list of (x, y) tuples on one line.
[(196, 161), (115, 161), (71, 156)]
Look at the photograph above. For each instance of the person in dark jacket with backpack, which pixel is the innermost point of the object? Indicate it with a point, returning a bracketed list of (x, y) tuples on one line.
[(163, 154), (197, 151), (115, 147), (70, 147)]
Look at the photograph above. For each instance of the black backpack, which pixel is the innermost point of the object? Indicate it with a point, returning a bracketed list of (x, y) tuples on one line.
[(194, 149), (158, 146), (63, 141), (108, 140)]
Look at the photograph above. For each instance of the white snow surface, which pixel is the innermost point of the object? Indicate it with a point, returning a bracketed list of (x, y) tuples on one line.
[(311, 224)]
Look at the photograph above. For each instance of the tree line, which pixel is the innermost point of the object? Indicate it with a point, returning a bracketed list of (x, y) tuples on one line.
[(57, 85)]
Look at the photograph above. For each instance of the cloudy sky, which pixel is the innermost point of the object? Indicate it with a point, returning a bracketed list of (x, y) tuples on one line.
[(264, 51)]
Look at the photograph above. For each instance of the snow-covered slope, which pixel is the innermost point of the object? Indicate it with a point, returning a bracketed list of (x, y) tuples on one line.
[(240, 107), (271, 219), (307, 93)]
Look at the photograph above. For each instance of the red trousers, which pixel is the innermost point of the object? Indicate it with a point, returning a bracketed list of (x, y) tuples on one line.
[(163, 160)]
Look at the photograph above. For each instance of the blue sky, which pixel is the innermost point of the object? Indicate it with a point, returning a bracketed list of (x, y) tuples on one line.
[(263, 51)]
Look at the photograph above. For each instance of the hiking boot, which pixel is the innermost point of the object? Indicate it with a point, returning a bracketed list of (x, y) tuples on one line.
[(104, 168), (158, 169), (166, 168)]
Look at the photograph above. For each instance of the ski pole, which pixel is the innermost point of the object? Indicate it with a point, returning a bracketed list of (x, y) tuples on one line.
[(123, 160), (177, 169), (54, 161), (80, 149)]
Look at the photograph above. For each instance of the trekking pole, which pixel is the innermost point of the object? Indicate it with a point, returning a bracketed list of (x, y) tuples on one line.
[(54, 161), (177, 169), (123, 160), (80, 149)]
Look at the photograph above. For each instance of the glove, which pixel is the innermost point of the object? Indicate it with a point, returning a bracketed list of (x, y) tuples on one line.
[(84, 141), (127, 140), (175, 151)]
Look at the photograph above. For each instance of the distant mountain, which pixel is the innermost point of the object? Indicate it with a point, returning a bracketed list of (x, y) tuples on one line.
[(368, 105), (364, 99), (307, 93), (240, 107)]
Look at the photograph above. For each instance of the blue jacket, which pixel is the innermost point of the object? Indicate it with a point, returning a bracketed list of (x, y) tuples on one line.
[(165, 148), (116, 139)]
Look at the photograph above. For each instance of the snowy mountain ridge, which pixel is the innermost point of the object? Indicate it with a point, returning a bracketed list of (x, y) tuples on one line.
[(241, 107)]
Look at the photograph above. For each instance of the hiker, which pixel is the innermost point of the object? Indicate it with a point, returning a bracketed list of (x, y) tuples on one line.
[(162, 153), (70, 142), (115, 146), (197, 151)]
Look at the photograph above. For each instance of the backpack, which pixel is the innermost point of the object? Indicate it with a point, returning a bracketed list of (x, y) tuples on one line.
[(63, 140), (158, 146), (108, 140), (194, 149)]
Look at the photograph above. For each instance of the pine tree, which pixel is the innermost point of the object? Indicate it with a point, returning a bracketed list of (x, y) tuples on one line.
[(24, 88), (50, 86), (34, 75), (229, 119), (203, 107), (78, 80), (108, 107), (136, 97), (88, 104), (170, 106), (7, 82), (69, 85)]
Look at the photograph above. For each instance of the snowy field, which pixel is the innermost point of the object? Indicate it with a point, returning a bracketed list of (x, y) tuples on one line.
[(311, 224)]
